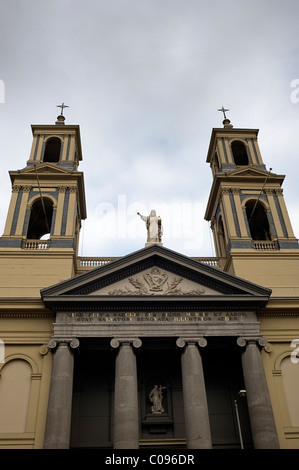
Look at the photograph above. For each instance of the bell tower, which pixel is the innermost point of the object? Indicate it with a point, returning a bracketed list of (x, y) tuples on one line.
[(40, 240), (247, 211)]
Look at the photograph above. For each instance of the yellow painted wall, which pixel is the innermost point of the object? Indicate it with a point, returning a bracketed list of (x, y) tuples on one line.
[(25, 274), (282, 373), (25, 376), (279, 271)]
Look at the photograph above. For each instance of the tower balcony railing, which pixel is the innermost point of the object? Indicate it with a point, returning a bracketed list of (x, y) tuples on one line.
[(36, 244), (265, 245)]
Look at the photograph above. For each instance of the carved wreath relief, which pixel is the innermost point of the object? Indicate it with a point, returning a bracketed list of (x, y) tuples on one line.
[(156, 282)]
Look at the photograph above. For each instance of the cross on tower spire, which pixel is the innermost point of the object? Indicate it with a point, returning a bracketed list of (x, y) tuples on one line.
[(226, 122), (223, 110), (61, 117), (62, 106)]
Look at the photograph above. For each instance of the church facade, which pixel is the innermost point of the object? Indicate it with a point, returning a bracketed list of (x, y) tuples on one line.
[(153, 349)]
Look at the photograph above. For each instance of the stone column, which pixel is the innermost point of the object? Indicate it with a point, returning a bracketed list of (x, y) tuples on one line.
[(274, 212), (126, 421), (58, 427), (197, 423), (10, 214), (285, 213), (59, 211), (22, 210), (262, 422), (71, 219)]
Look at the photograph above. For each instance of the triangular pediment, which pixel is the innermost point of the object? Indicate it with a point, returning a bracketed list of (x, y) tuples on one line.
[(47, 168), (151, 274), (248, 171), (252, 172), (156, 281)]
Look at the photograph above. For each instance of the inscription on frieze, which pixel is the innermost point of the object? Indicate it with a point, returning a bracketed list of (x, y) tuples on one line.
[(159, 317)]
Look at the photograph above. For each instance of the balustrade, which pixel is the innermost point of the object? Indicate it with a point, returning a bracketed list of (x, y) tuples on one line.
[(36, 244)]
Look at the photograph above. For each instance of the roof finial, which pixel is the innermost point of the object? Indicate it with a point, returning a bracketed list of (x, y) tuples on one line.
[(223, 110), (61, 118), (225, 122), (62, 106)]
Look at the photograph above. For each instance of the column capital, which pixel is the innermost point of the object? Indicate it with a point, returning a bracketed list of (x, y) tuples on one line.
[(182, 342), (258, 340), (116, 342), (62, 189), (72, 342), (16, 188)]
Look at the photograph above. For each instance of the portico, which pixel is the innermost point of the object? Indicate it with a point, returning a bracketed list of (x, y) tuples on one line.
[(156, 317)]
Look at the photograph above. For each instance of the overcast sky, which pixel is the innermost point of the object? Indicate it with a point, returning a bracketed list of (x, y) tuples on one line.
[(144, 80)]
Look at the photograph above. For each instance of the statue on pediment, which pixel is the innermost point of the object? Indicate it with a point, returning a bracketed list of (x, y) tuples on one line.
[(154, 227)]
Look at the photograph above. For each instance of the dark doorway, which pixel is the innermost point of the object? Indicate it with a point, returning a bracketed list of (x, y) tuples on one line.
[(93, 396), (224, 379), (159, 367)]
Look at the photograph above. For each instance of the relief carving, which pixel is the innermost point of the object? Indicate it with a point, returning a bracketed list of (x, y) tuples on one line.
[(156, 283)]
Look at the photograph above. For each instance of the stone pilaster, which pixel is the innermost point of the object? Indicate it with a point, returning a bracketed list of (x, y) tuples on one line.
[(197, 423), (262, 422), (126, 421), (58, 426)]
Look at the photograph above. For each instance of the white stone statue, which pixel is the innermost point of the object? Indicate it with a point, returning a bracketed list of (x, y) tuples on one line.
[(154, 227)]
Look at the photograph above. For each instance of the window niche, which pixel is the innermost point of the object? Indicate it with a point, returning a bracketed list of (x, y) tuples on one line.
[(52, 150), (157, 406), (40, 219), (15, 387), (258, 221), (239, 152)]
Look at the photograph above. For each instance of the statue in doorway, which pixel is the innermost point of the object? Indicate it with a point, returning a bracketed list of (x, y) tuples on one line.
[(156, 397), (154, 227)]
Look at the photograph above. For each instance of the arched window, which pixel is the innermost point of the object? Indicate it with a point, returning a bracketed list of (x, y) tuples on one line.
[(15, 385), (258, 221), (290, 380), (40, 219), (239, 153), (52, 150)]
